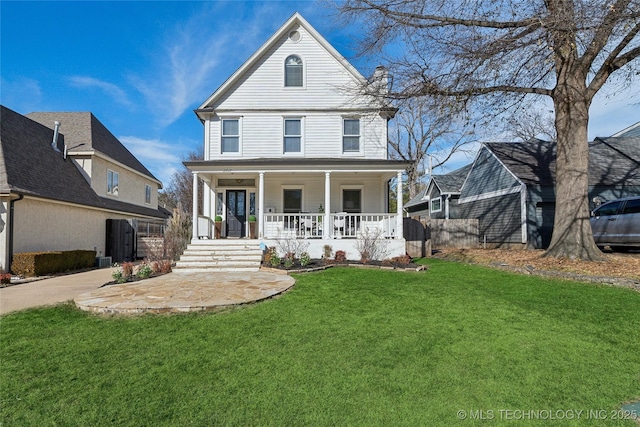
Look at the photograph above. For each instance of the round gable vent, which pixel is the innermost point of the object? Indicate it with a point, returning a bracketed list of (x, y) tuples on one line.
[(295, 36)]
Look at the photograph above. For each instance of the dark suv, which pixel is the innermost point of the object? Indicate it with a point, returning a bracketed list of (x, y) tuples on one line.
[(617, 224)]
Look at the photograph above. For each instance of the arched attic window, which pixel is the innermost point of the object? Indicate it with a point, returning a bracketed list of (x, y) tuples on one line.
[(293, 71)]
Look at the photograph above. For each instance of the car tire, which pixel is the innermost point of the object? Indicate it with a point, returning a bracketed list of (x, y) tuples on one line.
[(620, 248)]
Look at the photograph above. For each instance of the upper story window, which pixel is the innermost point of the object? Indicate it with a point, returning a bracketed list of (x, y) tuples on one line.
[(147, 194), (351, 135), (293, 71), (112, 182), (292, 140), (436, 205), (230, 136)]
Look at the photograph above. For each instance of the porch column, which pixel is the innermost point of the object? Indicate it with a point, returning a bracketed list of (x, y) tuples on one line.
[(213, 199), (194, 236), (327, 229), (261, 205), (399, 204)]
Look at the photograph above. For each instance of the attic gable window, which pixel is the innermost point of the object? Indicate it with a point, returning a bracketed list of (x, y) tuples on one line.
[(293, 71)]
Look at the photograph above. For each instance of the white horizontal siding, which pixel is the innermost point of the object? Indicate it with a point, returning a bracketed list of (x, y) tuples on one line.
[(262, 135), (327, 84)]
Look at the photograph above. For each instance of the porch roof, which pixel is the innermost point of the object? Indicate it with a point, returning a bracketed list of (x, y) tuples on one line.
[(297, 165)]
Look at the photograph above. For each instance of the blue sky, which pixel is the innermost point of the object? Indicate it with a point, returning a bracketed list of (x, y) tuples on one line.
[(142, 67)]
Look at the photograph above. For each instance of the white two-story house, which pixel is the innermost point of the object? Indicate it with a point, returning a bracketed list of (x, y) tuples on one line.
[(297, 138)]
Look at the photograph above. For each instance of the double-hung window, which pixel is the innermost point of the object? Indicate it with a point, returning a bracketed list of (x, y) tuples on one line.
[(112, 182), (147, 194), (293, 71), (351, 135), (292, 142), (230, 140)]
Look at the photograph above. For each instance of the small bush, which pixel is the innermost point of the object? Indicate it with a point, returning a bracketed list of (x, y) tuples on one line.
[(5, 278), (305, 259), (327, 252), (118, 276), (144, 271), (289, 259), (341, 256), (127, 269), (402, 261), (275, 259), (165, 266), (269, 254)]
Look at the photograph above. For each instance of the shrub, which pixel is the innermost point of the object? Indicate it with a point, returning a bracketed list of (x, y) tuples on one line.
[(5, 278), (327, 252), (40, 263), (341, 256), (305, 259), (162, 266), (269, 254), (127, 269), (178, 233), (403, 260), (118, 276), (289, 259), (371, 245), (275, 259), (292, 245), (144, 271)]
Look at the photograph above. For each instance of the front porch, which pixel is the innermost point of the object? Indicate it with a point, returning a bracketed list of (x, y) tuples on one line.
[(324, 202)]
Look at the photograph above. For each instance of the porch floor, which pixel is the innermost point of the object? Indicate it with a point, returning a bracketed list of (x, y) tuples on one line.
[(183, 292)]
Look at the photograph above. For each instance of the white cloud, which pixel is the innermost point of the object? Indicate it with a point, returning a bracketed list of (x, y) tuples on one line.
[(110, 89), (158, 156), (22, 94), (199, 55)]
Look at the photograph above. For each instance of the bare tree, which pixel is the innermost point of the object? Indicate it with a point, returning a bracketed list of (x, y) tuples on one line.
[(530, 124), (180, 188), (422, 130), (490, 56)]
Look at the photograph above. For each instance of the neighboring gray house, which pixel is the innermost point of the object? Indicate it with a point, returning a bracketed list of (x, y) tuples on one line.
[(439, 200), (631, 131), (52, 199), (511, 186)]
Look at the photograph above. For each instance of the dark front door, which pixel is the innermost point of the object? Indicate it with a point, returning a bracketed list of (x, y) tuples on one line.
[(236, 213)]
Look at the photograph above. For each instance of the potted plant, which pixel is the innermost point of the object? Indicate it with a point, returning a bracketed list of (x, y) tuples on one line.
[(252, 226), (218, 226)]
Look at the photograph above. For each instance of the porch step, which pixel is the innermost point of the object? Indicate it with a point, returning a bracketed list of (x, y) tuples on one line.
[(220, 255)]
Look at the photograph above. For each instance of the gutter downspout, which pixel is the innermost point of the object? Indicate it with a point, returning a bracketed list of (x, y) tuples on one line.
[(11, 217)]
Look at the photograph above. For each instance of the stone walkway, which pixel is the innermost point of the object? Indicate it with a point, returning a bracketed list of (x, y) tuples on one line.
[(184, 292)]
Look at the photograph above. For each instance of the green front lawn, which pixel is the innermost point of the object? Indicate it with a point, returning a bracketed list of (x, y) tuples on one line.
[(344, 347)]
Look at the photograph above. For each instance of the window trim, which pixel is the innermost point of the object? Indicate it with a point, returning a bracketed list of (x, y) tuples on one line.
[(284, 80), (352, 187), (301, 136), (239, 136), (439, 200), (352, 152), (112, 189), (147, 192), (292, 187)]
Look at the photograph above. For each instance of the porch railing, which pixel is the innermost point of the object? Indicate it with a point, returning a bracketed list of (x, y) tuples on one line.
[(341, 225)]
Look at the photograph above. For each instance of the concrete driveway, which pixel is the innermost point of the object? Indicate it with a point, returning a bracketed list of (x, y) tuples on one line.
[(52, 291)]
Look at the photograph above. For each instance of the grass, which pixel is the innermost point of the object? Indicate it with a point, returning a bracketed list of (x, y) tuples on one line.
[(344, 347)]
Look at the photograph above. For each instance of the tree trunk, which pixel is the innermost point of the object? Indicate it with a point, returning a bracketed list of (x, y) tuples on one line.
[(572, 236)]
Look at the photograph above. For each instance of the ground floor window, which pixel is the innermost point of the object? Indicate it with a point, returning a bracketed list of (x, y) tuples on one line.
[(352, 200), (292, 200)]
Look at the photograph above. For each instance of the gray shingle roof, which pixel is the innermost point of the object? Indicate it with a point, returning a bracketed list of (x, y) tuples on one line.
[(85, 128), (30, 166), (611, 160), (448, 183)]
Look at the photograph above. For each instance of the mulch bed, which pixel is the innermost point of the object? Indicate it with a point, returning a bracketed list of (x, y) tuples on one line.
[(319, 265)]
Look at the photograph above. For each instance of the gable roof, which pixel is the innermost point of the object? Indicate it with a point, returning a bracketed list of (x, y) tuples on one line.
[(449, 183), (84, 128), (293, 22), (611, 160), (30, 166), (633, 130)]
